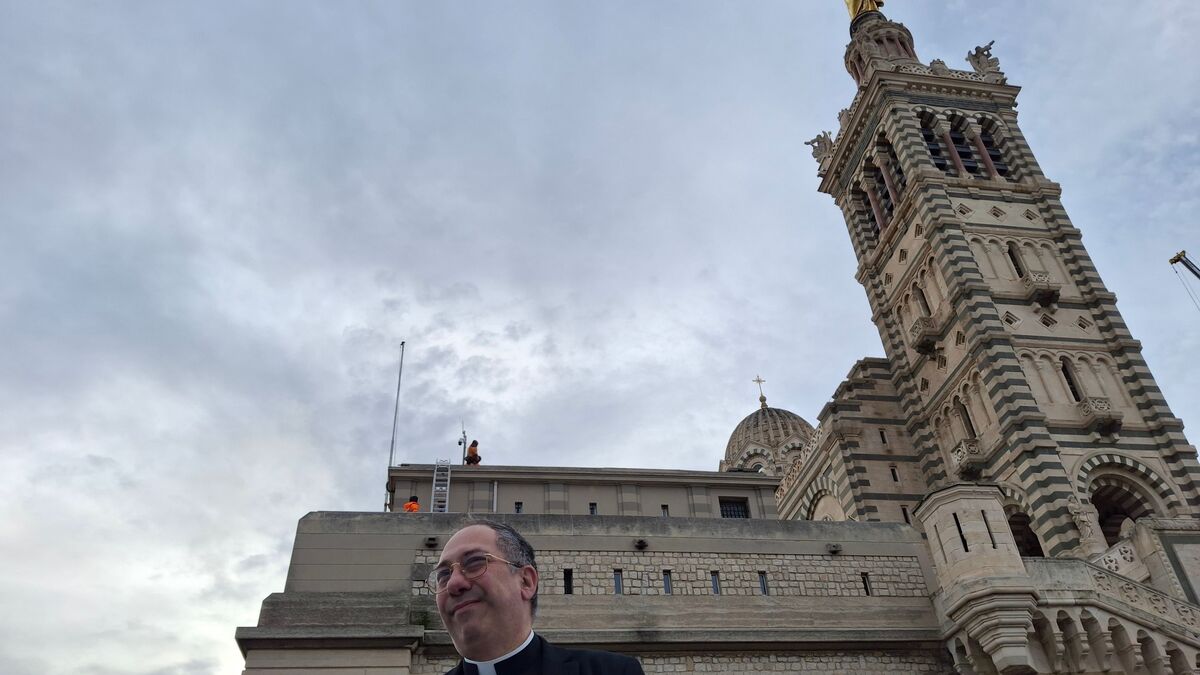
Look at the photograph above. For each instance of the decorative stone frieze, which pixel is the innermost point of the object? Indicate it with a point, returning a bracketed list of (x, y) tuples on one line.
[(1098, 415), (968, 458), (1041, 288)]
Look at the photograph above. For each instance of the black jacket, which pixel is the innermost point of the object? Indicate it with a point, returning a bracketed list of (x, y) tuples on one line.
[(543, 658)]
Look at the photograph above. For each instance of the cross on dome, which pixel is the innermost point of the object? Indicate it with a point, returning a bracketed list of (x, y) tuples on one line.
[(762, 398)]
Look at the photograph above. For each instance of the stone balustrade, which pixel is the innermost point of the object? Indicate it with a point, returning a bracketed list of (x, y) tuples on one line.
[(923, 333), (1098, 415), (1041, 288), (967, 457)]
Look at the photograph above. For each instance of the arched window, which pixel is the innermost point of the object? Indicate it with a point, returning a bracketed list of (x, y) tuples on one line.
[(1116, 500), (922, 301), (1014, 257), (894, 164), (993, 150), (1068, 372), (966, 153), (965, 415), (881, 192), (1027, 541), (861, 202), (937, 150)]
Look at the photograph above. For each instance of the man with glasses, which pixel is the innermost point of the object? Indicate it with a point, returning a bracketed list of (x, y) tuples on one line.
[(486, 584)]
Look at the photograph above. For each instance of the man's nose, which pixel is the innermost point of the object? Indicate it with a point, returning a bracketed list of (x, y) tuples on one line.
[(458, 581)]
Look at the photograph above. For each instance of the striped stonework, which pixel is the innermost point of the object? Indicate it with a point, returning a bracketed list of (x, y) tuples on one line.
[(981, 289), (819, 488), (1085, 477)]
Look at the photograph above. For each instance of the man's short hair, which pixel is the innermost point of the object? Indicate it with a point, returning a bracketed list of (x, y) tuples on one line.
[(515, 548)]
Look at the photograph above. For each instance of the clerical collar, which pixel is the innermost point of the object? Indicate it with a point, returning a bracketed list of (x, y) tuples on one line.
[(489, 667)]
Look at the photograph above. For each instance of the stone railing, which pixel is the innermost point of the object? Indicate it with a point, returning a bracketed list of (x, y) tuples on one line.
[(1121, 559), (942, 71), (1144, 597), (1041, 287), (967, 457), (1098, 415), (923, 333), (1062, 574)]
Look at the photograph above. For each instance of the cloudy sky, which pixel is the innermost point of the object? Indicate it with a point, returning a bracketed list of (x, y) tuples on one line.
[(594, 224)]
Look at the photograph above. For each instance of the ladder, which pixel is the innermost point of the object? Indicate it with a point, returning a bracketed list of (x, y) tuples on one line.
[(440, 502)]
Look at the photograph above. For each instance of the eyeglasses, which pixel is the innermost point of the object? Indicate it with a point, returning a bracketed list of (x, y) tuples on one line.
[(472, 567)]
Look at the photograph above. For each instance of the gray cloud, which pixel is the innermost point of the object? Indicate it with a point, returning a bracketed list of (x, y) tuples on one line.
[(593, 225)]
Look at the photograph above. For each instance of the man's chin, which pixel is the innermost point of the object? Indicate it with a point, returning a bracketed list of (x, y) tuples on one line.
[(470, 640)]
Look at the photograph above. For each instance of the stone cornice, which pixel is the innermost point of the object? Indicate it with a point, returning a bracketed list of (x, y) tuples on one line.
[(559, 474)]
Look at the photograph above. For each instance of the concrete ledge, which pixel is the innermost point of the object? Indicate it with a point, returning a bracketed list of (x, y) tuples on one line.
[(325, 637), (297, 609)]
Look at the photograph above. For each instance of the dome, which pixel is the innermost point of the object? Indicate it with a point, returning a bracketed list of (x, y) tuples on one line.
[(767, 428)]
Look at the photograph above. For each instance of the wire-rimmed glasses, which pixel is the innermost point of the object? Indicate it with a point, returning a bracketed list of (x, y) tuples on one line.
[(472, 567)]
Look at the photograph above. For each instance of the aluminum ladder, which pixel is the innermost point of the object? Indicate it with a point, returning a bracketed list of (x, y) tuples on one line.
[(440, 503)]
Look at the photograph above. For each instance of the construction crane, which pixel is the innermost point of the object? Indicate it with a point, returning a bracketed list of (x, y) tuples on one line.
[(1182, 259)]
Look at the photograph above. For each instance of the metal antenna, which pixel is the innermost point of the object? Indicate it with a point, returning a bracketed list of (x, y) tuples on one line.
[(396, 412)]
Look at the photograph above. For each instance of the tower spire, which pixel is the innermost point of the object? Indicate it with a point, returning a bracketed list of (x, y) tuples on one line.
[(762, 398)]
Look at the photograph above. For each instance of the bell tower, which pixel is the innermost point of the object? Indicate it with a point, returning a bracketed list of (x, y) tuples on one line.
[(1012, 362)]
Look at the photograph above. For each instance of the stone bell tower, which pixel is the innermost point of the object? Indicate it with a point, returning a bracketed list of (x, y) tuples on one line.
[(1012, 363)]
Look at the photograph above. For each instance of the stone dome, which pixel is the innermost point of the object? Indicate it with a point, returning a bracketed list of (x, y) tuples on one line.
[(767, 428)]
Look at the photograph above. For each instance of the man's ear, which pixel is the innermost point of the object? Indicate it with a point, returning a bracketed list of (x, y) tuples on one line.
[(529, 582)]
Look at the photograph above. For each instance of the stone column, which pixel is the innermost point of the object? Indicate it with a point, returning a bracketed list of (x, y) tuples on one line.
[(885, 170), (943, 130), (870, 187), (973, 133)]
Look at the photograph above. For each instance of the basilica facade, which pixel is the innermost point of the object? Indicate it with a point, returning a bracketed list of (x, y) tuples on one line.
[(1006, 491)]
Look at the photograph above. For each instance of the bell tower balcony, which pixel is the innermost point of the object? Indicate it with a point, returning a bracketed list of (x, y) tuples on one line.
[(967, 458), (923, 334), (1040, 287), (1098, 415)]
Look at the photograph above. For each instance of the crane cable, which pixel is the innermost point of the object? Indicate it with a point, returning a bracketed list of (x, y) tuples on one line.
[(1186, 287)]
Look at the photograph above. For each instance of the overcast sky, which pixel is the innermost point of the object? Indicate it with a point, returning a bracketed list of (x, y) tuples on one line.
[(593, 222)]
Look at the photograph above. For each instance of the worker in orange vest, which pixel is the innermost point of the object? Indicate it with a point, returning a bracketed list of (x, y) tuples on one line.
[(472, 454), (411, 506)]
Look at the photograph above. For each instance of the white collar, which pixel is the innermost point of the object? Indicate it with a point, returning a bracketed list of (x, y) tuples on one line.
[(489, 667)]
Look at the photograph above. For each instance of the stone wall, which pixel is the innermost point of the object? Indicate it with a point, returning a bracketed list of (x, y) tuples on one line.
[(786, 574), (819, 662)]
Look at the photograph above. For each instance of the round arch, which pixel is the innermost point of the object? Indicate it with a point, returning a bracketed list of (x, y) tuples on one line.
[(1112, 462), (819, 488)]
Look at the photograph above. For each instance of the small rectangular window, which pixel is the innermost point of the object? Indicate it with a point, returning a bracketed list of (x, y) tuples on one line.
[(762, 583), (988, 525), (518, 507), (895, 474), (568, 581), (961, 535), (592, 508), (666, 510), (883, 436), (667, 589), (733, 507), (866, 581), (716, 582), (904, 512), (618, 582)]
